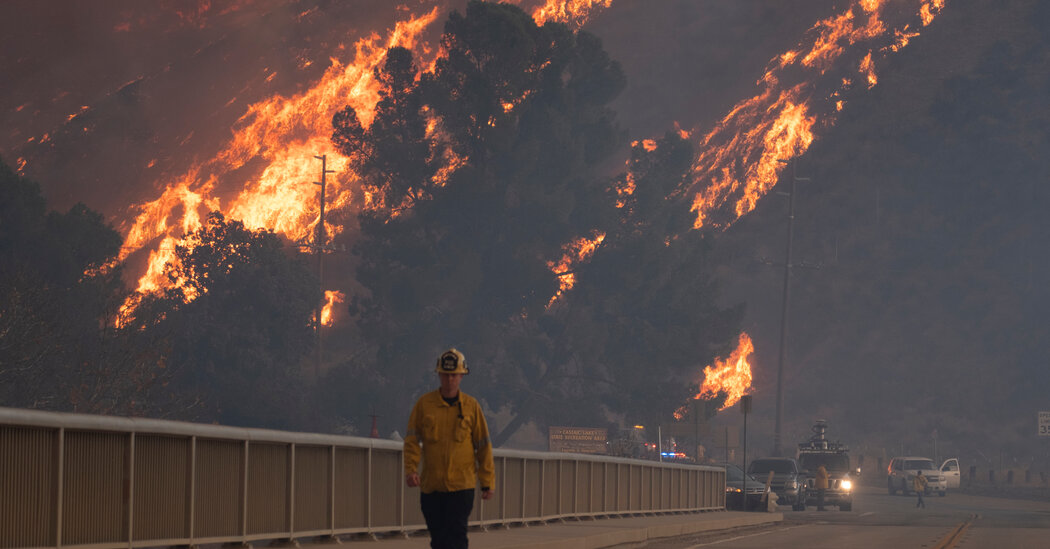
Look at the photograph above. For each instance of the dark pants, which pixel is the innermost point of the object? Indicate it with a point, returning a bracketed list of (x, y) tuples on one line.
[(820, 499), (919, 502), (446, 514)]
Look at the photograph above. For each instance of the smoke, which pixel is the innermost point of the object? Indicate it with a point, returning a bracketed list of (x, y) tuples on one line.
[(103, 105), (154, 86)]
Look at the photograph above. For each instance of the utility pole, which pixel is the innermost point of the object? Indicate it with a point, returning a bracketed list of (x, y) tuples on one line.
[(745, 408), (319, 246), (777, 449)]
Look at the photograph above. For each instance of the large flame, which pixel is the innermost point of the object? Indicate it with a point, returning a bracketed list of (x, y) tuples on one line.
[(743, 155), (731, 376), (283, 134)]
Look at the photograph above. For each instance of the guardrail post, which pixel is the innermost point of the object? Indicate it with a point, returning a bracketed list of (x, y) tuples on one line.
[(129, 486), (576, 487), (543, 482), (291, 490), (331, 491), (524, 487), (605, 488), (402, 498), (191, 491), (368, 492), (503, 494), (244, 494), (560, 480), (60, 465)]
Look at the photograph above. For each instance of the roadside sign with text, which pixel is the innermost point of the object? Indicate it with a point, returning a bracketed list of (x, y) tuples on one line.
[(580, 440), (1044, 424)]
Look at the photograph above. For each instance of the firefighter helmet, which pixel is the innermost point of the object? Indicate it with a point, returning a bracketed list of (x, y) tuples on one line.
[(452, 362)]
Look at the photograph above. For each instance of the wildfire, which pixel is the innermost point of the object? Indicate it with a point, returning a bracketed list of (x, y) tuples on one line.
[(574, 12), (741, 157), (282, 134), (731, 376), (574, 252), (331, 298)]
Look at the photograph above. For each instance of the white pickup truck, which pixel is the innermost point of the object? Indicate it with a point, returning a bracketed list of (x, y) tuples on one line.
[(938, 479), (951, 472)]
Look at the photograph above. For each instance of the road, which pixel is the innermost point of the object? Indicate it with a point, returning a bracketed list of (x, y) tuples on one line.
[(880, 521)]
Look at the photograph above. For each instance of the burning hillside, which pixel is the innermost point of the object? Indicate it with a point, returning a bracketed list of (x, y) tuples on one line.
[(261, 174), (257, 163)]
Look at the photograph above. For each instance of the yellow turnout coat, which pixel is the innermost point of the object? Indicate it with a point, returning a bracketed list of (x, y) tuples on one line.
[(453, 442)]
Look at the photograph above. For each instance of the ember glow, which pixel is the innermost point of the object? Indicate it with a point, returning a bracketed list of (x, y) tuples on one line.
[(731, 376), (740, 159)]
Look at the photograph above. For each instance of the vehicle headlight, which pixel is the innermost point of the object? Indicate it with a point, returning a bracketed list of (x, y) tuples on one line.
[(790, 485), (847, 485), (732, 489)]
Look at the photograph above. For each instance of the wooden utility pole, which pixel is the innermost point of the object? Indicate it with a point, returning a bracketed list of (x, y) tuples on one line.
[(319, 246), (777, 446)]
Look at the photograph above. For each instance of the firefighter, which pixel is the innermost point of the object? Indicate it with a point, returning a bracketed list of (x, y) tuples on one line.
[(821, 484), (448, 430), (918, 483)]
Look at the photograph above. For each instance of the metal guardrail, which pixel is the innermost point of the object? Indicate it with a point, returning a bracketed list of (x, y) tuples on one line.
[(99, 482)]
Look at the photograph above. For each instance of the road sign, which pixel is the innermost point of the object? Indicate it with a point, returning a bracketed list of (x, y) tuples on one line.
[(581, 440), (1044, 424)]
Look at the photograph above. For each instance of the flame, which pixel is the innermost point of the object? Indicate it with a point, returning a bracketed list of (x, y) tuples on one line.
[(742, 156), (929, 10), (331, 298), (574, 252), (574, 12), (283, 134), (731, 376), (868, 68), (286, 133)]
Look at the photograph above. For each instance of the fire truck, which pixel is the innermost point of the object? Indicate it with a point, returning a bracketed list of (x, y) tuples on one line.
[(817, 451)]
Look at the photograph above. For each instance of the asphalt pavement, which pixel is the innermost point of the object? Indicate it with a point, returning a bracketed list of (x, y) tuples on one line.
[(587, 533)]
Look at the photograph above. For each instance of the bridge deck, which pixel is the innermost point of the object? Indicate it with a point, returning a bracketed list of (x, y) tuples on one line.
[(590, 534)]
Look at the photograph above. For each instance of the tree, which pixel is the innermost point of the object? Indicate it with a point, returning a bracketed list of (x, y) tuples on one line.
[(59, 288), (519, 124), (238, 321), (465, 254), (634, 334), (394, 156)]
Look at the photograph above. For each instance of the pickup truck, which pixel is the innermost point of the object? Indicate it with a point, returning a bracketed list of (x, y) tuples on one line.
[(902, 470)]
